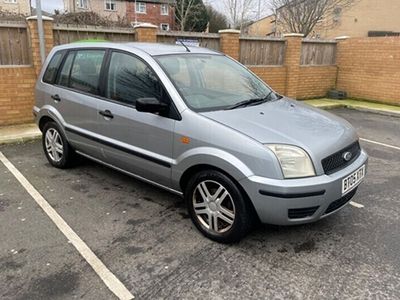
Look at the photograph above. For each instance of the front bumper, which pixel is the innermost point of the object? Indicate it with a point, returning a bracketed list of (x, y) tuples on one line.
[(274, 200)]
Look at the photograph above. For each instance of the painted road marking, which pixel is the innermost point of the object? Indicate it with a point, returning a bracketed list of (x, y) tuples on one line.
[(110, 280), (355, 204), (380, 144), (358, 205)]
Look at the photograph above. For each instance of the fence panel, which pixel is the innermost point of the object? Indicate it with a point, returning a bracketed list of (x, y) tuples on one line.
[(64, 34), (318, 53), (14, 46), (206, 40), (261, 51)]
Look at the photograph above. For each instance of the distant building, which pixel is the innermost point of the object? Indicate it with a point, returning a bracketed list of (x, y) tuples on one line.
[(22, 7), (157, 12), (364, 18), (264, 27), (111, 9)]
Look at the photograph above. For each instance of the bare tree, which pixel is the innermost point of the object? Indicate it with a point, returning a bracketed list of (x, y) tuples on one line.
[(301, 16), (239, 11), (188, 13)]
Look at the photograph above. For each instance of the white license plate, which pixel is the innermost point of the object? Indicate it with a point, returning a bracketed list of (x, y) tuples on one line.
[(353, 180)]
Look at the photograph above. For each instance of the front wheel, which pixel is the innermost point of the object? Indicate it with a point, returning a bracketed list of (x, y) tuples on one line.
[(217, 207)]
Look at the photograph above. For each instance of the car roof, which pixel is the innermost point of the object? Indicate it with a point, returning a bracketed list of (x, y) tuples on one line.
[(152, 49), (163, 49)]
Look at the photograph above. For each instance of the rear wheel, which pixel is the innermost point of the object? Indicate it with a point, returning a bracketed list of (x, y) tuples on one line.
[(217, 207), (56, 148)]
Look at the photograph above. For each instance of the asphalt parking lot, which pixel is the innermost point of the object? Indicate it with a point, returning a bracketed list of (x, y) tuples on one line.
[(145, 237)]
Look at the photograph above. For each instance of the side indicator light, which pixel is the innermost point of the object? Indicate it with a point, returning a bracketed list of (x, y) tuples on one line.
[(185, 140)]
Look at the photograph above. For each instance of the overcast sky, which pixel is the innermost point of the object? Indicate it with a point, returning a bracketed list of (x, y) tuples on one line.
[(50, 5)]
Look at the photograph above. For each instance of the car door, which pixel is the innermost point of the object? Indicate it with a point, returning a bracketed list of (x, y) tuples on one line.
[(74, 95), (138, 142)]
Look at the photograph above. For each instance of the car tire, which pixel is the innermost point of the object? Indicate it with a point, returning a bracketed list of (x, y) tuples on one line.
[(58, 151), (217, 207)]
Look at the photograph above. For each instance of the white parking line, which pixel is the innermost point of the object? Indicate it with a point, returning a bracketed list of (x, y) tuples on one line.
[(355, 204), (358, 205), (110, 280), (380, 144)]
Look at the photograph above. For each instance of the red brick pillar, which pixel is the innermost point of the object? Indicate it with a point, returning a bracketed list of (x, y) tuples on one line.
[(341, 47), (146, 33), (34, 39), (292, 62), (229, 42)]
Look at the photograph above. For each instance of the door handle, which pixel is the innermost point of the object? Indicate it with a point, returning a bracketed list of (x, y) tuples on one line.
[(56, 98), (106, 114)]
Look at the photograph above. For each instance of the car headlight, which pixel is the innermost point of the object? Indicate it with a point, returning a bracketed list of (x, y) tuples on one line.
[(294, 161)]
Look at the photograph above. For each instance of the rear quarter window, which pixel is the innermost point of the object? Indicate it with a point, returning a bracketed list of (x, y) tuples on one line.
[(52, 68)]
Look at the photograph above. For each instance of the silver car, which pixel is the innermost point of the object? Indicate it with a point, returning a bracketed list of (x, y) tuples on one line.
[(199, 124)]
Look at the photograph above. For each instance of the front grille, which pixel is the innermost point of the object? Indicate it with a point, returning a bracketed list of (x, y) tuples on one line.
[(340, 202), (336, 162), (300, 213)]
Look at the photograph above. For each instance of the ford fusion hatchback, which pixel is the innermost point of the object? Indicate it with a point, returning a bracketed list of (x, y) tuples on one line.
[(199, 124)]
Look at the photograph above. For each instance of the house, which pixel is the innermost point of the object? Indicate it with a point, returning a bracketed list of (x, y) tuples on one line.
[(264, 27), (113, 10), (21, 7), (157, 12), (364, 18)]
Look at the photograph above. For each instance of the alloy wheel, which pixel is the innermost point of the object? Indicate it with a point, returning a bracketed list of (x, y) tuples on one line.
[(213, 206), (54, 145)]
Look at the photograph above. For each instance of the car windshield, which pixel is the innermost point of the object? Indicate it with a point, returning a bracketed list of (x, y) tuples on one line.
[(210, 82)]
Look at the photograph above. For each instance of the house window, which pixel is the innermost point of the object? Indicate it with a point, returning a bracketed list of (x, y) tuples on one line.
[(82, 4), (164, 26), (111, 5), (10, 1), (164, 9), (337, 12), (141, 7)]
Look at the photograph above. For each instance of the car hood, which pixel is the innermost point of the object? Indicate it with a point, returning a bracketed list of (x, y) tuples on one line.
[(287, 121)]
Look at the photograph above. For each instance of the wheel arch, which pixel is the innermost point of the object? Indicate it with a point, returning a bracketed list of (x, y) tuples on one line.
[(43, 121)]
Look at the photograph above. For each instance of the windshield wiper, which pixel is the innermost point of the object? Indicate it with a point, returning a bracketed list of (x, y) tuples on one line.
[(249, 102)]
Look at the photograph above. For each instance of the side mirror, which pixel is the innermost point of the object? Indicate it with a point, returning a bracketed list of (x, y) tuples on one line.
[(150, 105)]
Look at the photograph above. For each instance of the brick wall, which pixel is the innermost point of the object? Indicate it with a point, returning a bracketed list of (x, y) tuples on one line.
[(315, 81), (17, 94), (369, 68), (275, 76), (152, 15)]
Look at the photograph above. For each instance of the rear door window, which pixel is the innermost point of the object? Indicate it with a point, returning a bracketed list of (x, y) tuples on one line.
[(85, 72), (52, 68), (81, 70)]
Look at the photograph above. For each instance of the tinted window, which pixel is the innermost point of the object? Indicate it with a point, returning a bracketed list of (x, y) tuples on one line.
[(85, 73), (63, 78), (129, 79), (52, 68)]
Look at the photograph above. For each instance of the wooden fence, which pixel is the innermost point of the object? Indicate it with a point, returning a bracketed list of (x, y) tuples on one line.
[(64, 34), (207, 40), (315, 52), (261, 51), (14, 45)]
